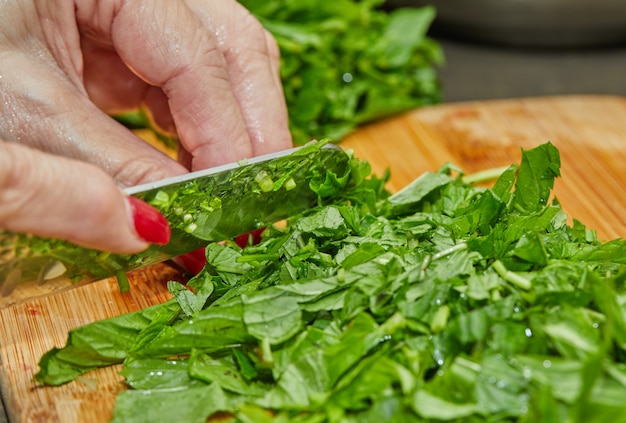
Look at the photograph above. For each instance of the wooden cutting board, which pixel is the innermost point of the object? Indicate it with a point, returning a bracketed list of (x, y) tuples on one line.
[(590, 132)]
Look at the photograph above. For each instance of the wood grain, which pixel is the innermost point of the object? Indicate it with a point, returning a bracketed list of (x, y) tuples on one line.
[(590, 133), (30, 329)]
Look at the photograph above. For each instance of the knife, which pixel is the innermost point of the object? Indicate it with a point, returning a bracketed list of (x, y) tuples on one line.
[(201, 207)]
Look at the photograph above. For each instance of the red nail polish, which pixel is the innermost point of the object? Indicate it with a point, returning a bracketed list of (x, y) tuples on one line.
[(150, 224), (193, 262)]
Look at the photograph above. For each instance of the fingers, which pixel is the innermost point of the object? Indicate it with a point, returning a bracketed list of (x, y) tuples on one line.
[(216, 66), (177, 53), (252, 58), (44, 110), (61, 198), (207, 70)]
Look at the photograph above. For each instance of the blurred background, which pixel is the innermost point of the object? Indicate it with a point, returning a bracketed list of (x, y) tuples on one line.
[(347, 62), (477, 71), (518, 48)]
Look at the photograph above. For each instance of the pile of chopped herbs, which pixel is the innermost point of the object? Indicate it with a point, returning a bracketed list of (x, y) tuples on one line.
[(443, 302), (345, 63)]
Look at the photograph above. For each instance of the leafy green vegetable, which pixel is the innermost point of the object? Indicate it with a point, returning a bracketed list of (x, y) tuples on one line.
[(191, 405), (341, 59), (343, 63), (443, 302)]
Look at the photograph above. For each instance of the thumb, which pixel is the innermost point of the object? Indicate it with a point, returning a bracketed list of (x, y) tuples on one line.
[(56, 197)]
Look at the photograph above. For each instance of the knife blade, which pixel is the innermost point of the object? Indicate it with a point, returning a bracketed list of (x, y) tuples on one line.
[(201, 207)]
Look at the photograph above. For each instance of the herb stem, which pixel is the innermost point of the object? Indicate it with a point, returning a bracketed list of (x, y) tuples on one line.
[(484, 176), (257, 257), (122, 281), (448, 251), (517, 280), (227, 269), (424, 266), (266, 352)]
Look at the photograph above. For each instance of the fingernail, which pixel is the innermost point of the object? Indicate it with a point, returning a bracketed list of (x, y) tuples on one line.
[(193, 262), (150, 224)]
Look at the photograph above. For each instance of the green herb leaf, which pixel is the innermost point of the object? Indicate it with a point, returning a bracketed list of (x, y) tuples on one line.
[(444, 302)]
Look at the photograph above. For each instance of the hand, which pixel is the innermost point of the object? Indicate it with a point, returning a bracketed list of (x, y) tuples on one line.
[(62, 198), (205, 69)]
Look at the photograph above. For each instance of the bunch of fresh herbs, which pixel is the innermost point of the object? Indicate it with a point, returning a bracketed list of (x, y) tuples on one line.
[(443, 302), (341, 60), (345, 63)]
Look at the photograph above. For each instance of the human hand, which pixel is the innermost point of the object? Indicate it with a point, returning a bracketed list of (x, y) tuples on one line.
[(62, 198), (205, 69)]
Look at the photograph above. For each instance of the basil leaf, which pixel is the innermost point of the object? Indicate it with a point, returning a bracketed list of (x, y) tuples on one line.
[(445, 302), (195, 404)]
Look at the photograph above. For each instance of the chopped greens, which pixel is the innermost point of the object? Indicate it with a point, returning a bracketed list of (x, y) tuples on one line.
[(444, 302)]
